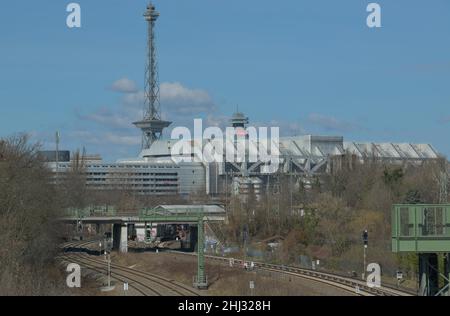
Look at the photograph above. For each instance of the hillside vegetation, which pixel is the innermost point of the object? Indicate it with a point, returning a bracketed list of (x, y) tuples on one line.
[(326, 220)]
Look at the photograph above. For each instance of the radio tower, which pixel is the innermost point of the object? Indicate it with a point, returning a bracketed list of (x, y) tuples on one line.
[(151, 125)]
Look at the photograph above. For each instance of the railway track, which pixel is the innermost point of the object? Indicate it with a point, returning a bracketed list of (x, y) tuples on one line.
[(77, 244), (147, 284), (352, 285), (348, 284), (138, 286)]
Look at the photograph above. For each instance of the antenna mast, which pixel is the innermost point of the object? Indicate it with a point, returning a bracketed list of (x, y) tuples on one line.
[(152, 126)]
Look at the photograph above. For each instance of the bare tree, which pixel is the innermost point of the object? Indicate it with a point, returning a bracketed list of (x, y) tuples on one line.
[(29, 206)]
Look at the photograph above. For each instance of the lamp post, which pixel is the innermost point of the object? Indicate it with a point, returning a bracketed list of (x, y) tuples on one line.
[(108, 260)]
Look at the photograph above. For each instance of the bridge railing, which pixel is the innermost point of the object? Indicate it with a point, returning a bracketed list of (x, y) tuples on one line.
[(91, 211), (178, 215), (189, 214)]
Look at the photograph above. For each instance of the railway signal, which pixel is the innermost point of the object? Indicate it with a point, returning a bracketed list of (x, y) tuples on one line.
[(365, 237)]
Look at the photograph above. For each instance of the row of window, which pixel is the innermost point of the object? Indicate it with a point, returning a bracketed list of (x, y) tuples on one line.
[(173, 174), (167, 187), (432, 222), (134, 166), (127, 180), (124, 166)]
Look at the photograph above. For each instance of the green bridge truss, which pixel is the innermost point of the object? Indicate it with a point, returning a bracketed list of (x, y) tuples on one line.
[(424, 229), (154, 215)]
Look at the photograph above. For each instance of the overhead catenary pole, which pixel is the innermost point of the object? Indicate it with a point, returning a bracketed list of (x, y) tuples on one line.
[(201, 281), (108, 261), (57, 137), (109, 270), (245, 235), (443, 183)]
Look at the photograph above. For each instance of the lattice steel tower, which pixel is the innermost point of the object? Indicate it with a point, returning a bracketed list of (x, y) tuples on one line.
[(152, 125)]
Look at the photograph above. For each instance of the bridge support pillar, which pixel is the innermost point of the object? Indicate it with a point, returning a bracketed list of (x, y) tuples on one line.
[(124, 238), (428, 274), (120, 237), (116, 237)]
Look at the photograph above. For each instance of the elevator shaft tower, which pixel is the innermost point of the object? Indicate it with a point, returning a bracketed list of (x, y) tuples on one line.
[(152, 125)]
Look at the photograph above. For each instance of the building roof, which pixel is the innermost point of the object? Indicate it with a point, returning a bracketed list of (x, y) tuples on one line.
[(392, 150), (211, 209), (306, 146)]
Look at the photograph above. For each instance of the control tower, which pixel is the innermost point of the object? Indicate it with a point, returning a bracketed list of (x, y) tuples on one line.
[(151, 125), (239, 120)]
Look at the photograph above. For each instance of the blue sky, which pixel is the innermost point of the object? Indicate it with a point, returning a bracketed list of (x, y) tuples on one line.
[(307, 66)]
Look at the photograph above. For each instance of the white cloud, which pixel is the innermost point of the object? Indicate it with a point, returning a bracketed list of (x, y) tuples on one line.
[(134, 98), (175, 99), (332, 124), (288, 128), (221, 121), (105, 138), (178, 103), (178, 99), (85, 137), (109, 118), (445, 119), (125, 140), (124, 85), (113, 125)]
